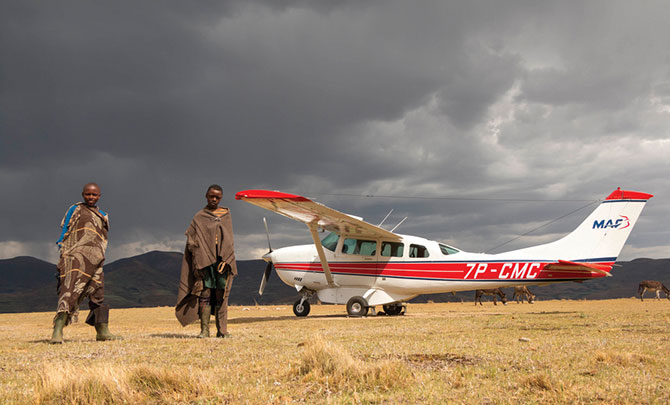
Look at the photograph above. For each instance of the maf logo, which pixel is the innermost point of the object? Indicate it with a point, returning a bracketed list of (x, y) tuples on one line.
[(602, 224)]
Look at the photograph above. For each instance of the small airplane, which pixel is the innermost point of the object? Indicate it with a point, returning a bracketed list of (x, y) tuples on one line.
[(364, 265)]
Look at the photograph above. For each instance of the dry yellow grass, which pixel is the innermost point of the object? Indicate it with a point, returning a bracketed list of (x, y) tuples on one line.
[(613, 351)]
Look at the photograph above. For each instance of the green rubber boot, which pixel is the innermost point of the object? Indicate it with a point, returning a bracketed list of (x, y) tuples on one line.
[(219, 334), (59, 324), (205, 313), (103, 333)]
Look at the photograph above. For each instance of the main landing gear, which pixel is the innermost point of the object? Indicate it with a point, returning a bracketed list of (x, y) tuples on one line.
[(357, 306), (393, 309)]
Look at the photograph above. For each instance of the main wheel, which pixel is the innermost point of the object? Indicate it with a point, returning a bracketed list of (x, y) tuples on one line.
[(357, 306), (301, 309), (393, 309)]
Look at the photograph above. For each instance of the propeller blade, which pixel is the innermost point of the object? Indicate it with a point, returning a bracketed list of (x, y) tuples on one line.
[(266, 277), (267, 232)]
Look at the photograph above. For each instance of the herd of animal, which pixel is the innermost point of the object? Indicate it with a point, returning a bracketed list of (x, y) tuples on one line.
[(522, 292)]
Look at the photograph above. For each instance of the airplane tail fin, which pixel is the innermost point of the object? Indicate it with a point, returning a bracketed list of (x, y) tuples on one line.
[(602, 235)]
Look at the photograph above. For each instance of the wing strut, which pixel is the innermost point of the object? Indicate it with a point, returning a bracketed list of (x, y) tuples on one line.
[(322, 256)]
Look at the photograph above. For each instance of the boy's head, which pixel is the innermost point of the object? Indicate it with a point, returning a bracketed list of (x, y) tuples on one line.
[(91, 194), (214, 195)]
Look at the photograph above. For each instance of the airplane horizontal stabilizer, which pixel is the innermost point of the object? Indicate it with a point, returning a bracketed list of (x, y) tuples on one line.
[(580, 266)]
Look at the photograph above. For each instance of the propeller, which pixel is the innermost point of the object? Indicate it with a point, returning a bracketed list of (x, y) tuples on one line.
[(268, 267)]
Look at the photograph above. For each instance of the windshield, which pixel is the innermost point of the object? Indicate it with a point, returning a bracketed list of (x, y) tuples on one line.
[(448, 250), (330, 241)]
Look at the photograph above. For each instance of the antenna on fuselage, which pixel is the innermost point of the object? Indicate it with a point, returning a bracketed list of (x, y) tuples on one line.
[(387, 215), (399, 223)]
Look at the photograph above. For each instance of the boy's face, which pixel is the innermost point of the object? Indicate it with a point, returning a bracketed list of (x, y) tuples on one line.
[(213, 198), (91, 195)]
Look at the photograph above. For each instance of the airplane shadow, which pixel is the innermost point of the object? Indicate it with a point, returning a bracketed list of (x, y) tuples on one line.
[(280, 318)]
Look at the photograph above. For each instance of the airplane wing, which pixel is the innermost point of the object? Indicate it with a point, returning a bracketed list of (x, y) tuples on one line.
[(580, 266), (310, 212)]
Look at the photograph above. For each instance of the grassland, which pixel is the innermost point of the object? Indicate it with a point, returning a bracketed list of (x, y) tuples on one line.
[(612, 351)]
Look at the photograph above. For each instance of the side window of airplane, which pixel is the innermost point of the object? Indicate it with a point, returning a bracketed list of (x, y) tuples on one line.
[(447, 250), (330, 241), (348, 246), (359, 247), (418, 251), (392, 249)]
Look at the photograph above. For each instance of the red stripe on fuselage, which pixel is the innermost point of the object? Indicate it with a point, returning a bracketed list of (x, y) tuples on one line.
[(447, 271)]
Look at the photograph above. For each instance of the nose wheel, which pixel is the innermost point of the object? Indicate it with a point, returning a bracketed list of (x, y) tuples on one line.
[(301, 307)]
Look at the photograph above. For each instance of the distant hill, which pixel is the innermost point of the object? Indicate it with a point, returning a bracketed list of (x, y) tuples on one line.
[(24, 272), (148, 280)]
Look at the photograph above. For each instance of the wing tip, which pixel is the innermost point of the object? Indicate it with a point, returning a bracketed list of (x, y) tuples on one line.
[(268, 194)]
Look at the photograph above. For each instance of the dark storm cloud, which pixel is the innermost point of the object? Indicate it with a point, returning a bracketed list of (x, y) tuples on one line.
[(157, 100)]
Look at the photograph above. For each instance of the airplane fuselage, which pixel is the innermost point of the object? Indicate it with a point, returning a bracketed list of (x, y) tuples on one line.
[(411, 267)]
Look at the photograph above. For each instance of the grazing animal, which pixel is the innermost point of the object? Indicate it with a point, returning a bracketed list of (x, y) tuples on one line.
[(653, 286), (521, 292), (494, 292)]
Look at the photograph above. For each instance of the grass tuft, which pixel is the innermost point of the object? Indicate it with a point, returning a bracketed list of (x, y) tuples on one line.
[(170, 384), (59, 384), (622, 359), (110, 384), (539, 382), (326, 363)]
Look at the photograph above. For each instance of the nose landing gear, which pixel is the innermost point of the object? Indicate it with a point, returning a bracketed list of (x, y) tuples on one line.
[(301, 307)]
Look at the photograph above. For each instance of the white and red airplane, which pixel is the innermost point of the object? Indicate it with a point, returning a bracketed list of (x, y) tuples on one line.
[(363, 265)]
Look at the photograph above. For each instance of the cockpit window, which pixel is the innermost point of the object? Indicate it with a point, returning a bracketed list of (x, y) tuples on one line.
[(418, 251), (330, 241), (448, 250)]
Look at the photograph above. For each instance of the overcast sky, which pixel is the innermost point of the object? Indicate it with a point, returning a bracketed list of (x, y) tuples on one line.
[(552, 104)]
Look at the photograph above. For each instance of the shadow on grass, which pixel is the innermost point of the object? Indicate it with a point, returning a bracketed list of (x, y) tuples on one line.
[(173, 336), (553, 312), (38, 341), (65, 341), (281, 318)]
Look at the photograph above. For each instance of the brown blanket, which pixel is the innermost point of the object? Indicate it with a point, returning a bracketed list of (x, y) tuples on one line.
[(207, 238), (82, 254)]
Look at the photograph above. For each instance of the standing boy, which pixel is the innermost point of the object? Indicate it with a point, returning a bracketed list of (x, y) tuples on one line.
[(82, 244), (208, 266)]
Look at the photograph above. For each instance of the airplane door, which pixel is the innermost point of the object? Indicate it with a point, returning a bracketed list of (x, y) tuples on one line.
[(358, 261), (390, 260)]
